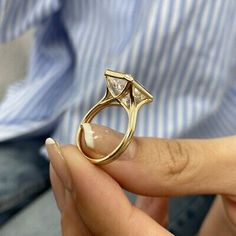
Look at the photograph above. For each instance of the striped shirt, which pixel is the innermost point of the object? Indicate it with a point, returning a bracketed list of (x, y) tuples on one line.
[(182, 51)]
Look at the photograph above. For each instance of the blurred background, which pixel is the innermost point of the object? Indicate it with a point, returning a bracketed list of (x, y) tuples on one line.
[(14, 57)]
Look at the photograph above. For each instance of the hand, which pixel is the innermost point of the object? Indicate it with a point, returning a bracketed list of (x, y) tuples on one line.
[(90, 198), (90, 201)]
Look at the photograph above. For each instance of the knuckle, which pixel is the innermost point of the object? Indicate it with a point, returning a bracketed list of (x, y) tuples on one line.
[(178, 157)]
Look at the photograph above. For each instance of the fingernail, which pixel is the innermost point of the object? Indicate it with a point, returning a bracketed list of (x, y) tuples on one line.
[(100, 140), (89, 135), (58, 162)]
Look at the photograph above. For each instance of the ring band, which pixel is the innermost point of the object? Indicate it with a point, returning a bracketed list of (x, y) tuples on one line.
[(122, 90)]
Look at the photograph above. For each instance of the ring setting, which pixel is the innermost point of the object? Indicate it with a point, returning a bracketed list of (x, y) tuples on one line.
[(121, 90)]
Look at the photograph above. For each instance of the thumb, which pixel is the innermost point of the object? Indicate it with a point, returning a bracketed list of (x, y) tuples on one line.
[(162, 167)]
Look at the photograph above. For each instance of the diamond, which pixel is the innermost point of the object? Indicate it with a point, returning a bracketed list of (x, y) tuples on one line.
[(138, 95), (126, 100), (116, 85)]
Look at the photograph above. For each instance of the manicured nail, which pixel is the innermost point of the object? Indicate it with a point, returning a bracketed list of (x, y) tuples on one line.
[(101, 140), (89, 135), (58, 162)]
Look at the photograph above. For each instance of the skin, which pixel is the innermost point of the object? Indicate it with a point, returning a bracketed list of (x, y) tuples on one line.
[(91, 199)]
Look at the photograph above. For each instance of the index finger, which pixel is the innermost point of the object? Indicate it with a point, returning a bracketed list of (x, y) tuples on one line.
[(102, 204)]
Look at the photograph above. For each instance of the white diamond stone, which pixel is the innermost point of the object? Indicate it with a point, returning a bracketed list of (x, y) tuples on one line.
[(126, 100), (116, 85), (138, 95)]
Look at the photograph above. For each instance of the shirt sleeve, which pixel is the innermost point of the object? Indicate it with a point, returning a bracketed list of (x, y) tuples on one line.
[(17, 16)]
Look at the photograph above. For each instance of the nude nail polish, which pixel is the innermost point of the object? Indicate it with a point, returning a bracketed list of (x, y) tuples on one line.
[(57, 160)]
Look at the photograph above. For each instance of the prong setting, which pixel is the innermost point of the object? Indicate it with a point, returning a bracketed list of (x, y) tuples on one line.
[(118, 84)]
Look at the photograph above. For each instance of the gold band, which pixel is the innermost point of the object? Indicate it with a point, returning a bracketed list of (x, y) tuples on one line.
[(122, 90)]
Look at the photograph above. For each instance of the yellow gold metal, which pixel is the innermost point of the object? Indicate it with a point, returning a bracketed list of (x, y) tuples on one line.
[(125, 92)]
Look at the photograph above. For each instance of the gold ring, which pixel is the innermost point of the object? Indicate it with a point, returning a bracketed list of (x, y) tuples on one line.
[(122, 90)]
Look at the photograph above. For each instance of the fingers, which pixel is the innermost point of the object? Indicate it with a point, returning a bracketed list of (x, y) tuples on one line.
[(230, 208), (95, 203), (58, 189), (161, 167), (155, 207), (58, 162), (216, 221), (101, 202), (71, 222)]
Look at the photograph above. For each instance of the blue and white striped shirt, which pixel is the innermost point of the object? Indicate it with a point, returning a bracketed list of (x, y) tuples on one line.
[(182, 51)]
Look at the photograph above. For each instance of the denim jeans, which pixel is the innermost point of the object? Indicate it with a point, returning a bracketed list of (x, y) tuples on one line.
[(186, 214), (24, 176)]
